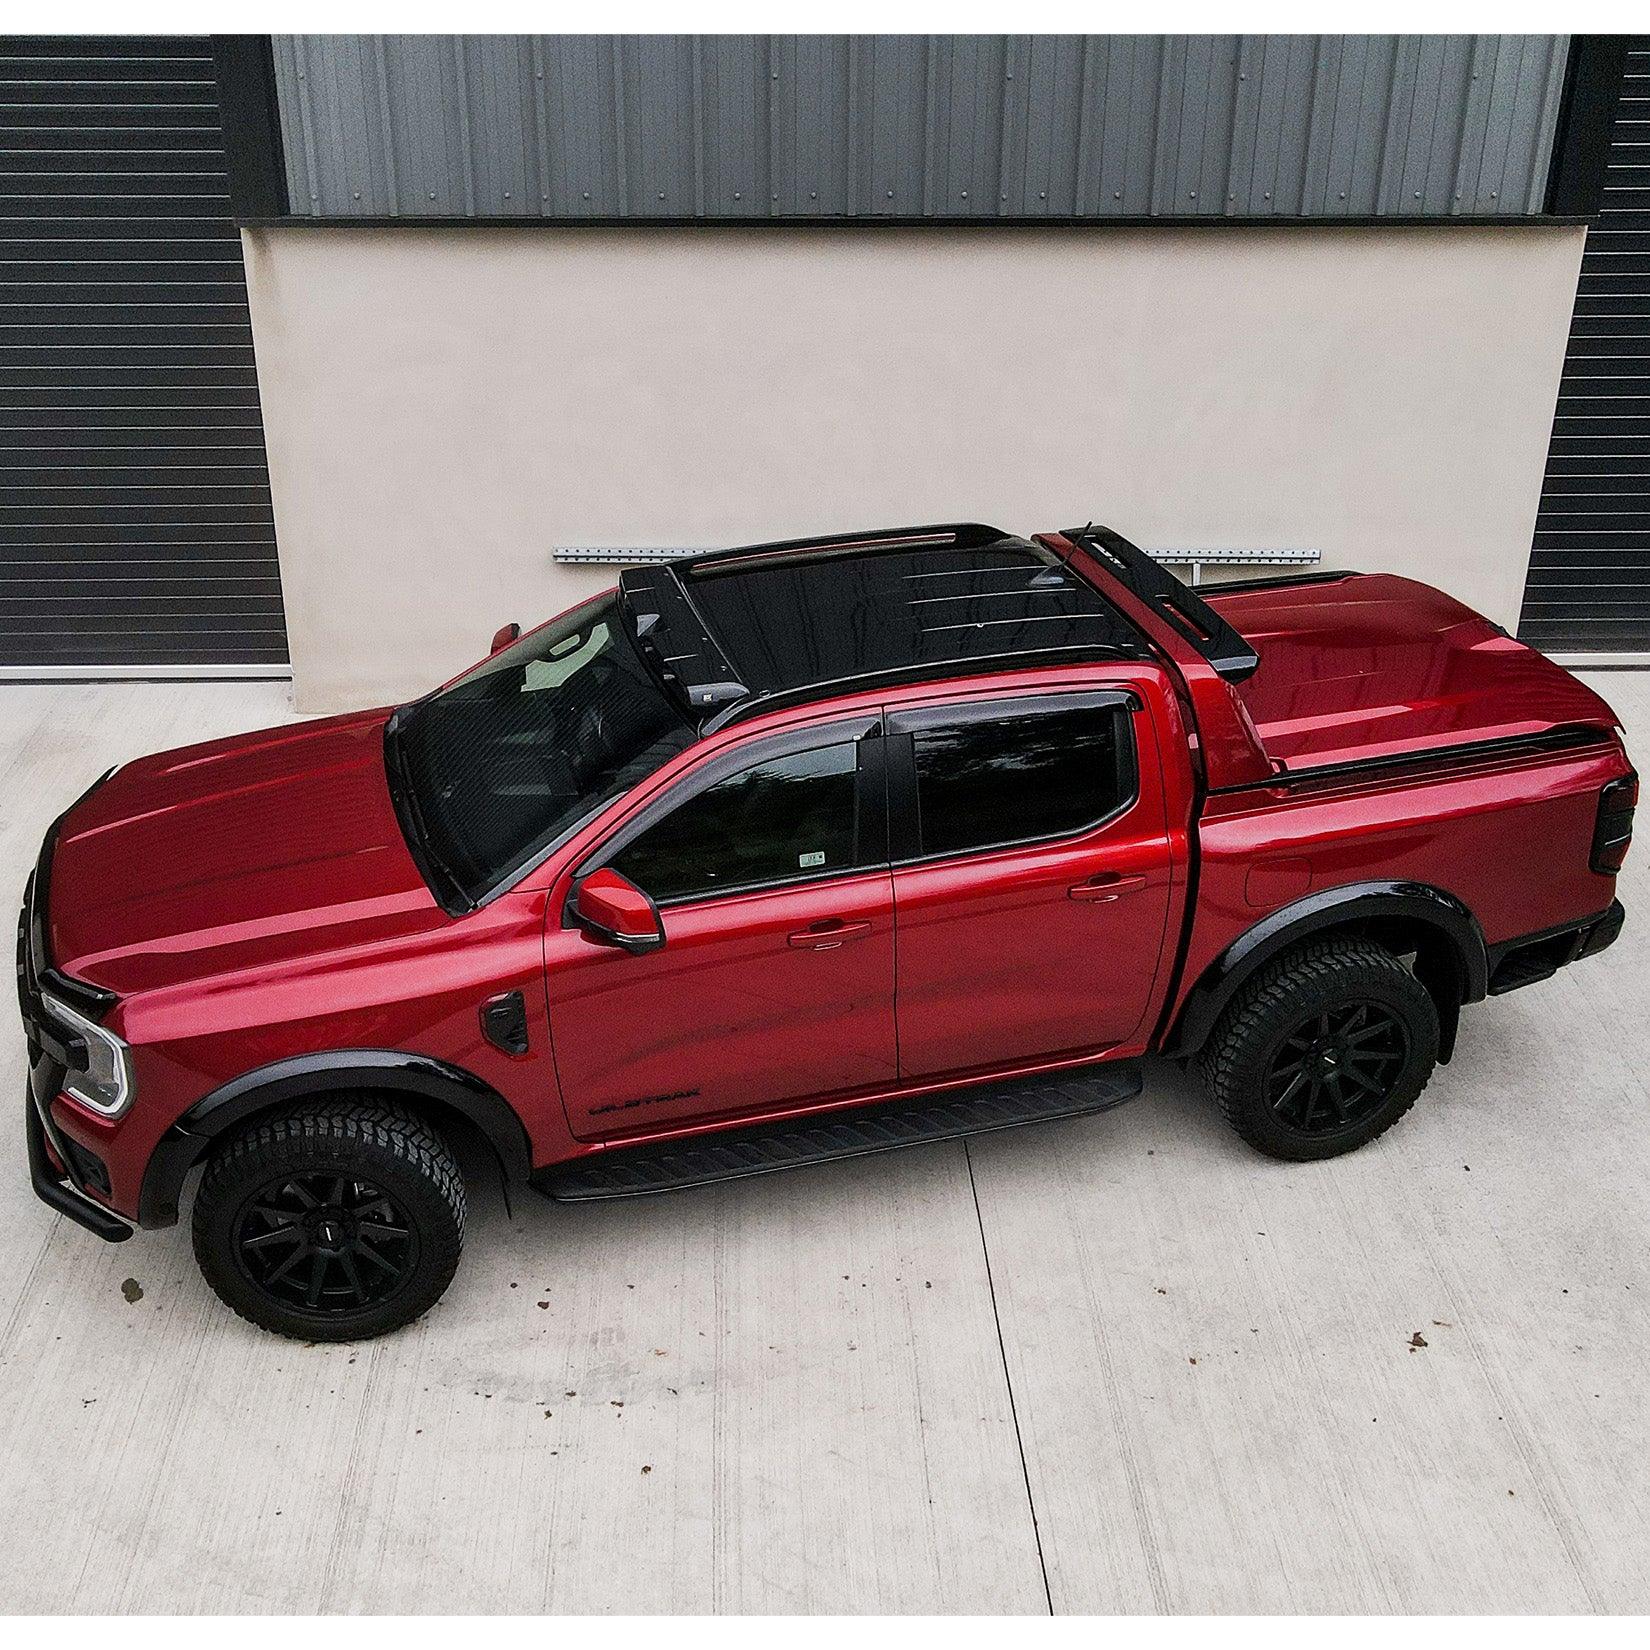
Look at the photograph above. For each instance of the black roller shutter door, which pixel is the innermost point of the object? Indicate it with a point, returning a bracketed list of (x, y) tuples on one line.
[(1589, 583), (135, 524)]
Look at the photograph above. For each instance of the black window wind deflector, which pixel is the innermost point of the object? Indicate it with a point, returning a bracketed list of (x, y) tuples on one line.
[(675, 640), (1231, 656)]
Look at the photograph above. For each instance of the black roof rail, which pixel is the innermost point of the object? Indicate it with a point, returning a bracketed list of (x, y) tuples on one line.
[(1226, 651), (961, 535), (937, 670)]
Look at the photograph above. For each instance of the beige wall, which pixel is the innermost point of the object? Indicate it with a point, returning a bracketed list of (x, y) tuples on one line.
[(443, 407)]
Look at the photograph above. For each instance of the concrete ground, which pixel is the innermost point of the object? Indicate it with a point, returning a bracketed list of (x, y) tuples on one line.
[(1117, 1364)]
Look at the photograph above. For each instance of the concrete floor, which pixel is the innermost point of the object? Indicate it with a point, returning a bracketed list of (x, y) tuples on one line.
[(1117, 1364)]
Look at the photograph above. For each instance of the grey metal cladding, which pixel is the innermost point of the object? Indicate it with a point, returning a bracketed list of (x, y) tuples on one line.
[(943, 126)]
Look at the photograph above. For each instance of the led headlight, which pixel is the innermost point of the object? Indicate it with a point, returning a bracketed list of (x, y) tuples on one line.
[(106, 1084)]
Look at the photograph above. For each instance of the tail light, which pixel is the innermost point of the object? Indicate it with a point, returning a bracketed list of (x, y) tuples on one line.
[(1613, 830)]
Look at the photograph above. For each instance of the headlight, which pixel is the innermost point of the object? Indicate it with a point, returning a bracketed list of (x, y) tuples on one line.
[(106, 1086)]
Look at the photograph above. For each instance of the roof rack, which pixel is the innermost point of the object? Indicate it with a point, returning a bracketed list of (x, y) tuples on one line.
[(964, 535), (1225, 650)]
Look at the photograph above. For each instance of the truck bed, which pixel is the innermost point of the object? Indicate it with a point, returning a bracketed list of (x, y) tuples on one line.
[(1362, 666)]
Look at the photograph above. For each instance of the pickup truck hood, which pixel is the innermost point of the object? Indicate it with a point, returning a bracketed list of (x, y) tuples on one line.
[(234, 854), (1369, 665)]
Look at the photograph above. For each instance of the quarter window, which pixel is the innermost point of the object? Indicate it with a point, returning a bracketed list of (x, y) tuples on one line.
[(991, 775), (789, 819)]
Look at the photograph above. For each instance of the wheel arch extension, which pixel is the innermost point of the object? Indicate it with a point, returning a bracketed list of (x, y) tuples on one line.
[(1451, 959), (437, 1091)]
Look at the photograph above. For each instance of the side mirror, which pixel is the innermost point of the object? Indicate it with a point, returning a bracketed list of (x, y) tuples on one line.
[(613, 909), (502, 638)]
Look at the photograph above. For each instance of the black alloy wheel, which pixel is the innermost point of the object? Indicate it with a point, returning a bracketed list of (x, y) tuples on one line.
[(326, 1242), (1337, 1067)]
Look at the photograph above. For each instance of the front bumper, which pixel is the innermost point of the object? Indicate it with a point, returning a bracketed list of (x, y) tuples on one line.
[(61, 1170), (53, 1186)]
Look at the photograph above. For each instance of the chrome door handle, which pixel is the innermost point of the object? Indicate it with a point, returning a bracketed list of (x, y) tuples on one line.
[(828, 935), (1106, 887)]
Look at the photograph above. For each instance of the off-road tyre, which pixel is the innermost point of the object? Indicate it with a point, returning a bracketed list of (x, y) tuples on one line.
[(1293, 1019), (295, 1194)]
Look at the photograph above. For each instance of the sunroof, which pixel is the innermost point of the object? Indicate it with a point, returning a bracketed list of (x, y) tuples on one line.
[(797, 621)]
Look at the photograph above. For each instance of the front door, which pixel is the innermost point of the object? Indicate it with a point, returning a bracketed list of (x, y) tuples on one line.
[(1031, 879), (775, 984)]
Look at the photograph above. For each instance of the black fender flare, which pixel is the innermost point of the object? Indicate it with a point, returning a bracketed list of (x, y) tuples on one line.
[(1416, 902), (442, 1086)]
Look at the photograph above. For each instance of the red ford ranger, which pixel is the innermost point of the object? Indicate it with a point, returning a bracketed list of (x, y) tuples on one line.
[(791, 853)]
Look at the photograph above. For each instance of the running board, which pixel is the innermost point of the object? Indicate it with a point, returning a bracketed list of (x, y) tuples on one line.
[(636, 1171)]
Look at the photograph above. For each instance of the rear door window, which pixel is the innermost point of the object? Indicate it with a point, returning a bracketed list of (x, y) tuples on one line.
[(993, 774)]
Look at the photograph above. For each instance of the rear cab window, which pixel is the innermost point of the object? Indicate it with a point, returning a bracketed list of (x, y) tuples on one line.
[(994, 773)]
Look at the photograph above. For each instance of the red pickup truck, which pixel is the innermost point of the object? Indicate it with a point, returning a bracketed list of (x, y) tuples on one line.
[(796, 852)]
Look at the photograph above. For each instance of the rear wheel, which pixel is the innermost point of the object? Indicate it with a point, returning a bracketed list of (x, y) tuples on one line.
[(335, 1223), (1326, 1049)]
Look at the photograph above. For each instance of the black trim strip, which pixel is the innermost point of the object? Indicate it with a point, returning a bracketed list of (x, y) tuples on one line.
[(1574, 737), (1457, 220), (1274, 581)]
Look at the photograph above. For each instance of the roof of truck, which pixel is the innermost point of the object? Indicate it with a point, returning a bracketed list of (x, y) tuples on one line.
[(743, 628)]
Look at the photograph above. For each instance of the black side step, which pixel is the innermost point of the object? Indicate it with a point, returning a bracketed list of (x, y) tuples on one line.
[(638, 1170)]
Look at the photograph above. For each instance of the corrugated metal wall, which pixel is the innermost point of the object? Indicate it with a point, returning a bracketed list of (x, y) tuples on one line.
[(135, 521), (950, 126), (1589, 584)]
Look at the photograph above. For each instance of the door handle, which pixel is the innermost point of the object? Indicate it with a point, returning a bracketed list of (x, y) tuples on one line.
[(1106, 887), (827, 935)]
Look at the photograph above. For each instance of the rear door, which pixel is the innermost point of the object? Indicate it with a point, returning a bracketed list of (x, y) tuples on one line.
[(1031, 878), (775, 984)]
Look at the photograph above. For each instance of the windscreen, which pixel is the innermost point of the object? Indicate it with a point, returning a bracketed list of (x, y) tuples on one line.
[(491, 771)]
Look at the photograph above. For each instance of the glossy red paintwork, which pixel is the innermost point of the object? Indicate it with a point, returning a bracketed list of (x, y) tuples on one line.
[(253, 899), (1376, 665)]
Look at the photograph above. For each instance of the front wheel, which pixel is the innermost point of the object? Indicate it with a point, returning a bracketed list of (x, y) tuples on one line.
[(335, 1223), (1324, 1050)]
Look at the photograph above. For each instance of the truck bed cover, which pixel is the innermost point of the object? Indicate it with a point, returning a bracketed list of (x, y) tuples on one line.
[(1366, 666)]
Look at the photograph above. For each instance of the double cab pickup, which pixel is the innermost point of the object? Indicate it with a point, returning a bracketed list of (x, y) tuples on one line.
[(795, 852)]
